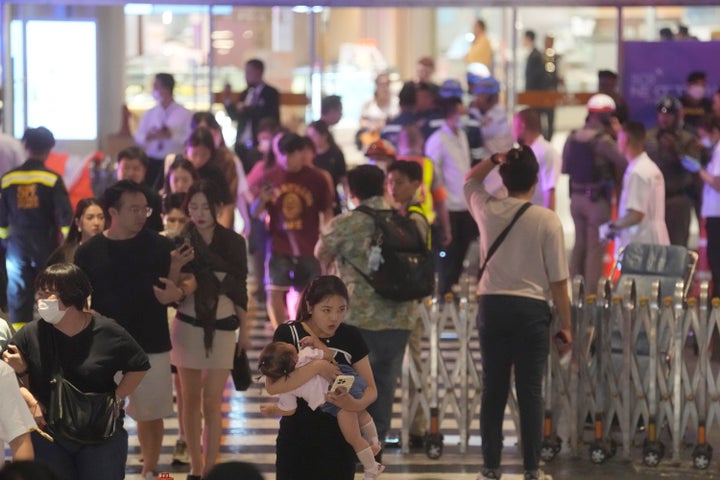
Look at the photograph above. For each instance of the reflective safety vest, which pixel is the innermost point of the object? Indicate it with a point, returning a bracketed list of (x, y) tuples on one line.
[(424, 192)]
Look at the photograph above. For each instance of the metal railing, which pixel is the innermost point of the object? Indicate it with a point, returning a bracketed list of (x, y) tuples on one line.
[(640, 375)]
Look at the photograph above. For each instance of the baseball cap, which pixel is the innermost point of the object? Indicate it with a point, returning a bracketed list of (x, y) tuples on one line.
[(601, 103), (380, 147), (451, 88), (486, 85), (38, 139), (668, 104)]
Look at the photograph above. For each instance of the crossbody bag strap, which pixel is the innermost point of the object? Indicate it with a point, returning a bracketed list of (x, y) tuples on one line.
[(295, 336), (499, 240)]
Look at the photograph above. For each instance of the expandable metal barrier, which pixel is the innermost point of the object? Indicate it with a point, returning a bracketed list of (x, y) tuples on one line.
[(640, 375)]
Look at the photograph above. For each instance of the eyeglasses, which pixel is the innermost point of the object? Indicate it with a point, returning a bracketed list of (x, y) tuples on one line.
[(146, 211)]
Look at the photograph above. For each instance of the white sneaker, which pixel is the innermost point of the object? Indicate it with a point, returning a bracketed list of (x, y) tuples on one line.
[(374, 473), (180, 453)]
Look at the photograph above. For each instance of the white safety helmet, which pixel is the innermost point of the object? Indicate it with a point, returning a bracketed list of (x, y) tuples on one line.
[(600, 103)]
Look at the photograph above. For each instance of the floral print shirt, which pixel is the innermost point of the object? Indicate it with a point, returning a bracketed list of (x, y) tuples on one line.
[(347, 239)]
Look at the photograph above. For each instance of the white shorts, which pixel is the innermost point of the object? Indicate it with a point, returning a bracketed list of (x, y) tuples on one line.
[(153, 398)]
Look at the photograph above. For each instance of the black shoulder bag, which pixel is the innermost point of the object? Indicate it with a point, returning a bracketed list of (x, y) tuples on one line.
[(84, 418), (498, 241), (241, 374)]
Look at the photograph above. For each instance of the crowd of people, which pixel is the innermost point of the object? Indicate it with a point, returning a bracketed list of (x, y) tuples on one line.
[(150, 278)]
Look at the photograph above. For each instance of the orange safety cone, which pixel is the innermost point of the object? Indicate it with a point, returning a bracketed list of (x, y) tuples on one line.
[(609, 257)]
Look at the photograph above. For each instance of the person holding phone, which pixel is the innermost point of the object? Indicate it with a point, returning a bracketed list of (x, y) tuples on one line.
[(516, 284), (278, 359), (204, 331), (326, 453)]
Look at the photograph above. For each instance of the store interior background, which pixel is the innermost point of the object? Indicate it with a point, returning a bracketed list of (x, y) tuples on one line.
[(312, 52)]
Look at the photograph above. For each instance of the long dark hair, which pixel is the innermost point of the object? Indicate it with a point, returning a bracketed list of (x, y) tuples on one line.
[(74, 235), (322, 128), (66, 251), (202, 137), (321, 287), (210, 122), (180, 161), (210, 190)]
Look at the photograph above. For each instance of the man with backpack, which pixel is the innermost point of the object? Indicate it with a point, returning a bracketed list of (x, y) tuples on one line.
[(595, 166), (382, 303)]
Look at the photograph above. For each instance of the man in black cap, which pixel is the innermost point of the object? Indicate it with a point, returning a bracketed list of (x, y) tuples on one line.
[(667, 144), (34, 212)]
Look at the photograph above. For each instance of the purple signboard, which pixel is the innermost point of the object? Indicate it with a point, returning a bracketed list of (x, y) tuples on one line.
[(653, 69)]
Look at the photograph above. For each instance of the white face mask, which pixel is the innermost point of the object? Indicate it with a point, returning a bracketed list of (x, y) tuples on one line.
[(50, 311), (706, 142), (696, 91)]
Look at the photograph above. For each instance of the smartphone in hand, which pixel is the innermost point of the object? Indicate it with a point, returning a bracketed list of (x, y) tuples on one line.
[(345, 381)]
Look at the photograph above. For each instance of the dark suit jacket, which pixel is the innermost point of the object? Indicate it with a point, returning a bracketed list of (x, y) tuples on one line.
[(535, 71), (266, 106)]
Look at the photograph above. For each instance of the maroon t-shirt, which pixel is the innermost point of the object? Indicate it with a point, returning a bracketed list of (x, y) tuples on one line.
[(259, 176), (295, 214)]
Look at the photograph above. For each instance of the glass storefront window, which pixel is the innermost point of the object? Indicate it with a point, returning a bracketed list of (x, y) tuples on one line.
[(205, 47)]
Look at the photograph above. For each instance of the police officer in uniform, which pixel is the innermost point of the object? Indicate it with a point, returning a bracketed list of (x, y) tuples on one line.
[(667, 144), (595, 166), (34, 211)]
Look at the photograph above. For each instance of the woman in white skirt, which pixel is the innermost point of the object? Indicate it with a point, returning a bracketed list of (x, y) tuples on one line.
[(204, 331)]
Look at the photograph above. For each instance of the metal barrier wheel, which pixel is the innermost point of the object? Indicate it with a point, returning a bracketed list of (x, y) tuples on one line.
[(653, 452), (702, 454), (434, 446), (550, 448), (598, 453)]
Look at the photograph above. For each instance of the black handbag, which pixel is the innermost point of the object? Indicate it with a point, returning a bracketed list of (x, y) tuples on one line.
[(81, 417), (241, 375), (85, 418)]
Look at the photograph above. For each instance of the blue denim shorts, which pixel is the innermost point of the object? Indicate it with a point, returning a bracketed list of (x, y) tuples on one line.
[(357, 390), (284, 271)]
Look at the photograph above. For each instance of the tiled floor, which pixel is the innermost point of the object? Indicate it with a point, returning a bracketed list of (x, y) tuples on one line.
[(251, 437)]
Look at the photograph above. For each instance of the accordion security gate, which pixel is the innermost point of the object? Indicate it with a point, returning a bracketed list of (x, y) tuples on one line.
[(640, 381)]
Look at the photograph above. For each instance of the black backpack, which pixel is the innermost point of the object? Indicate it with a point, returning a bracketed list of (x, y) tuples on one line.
[(404, 268)]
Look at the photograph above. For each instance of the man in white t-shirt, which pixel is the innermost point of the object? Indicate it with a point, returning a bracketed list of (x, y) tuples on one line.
[(528, 131), (528, 269), (641, 210)]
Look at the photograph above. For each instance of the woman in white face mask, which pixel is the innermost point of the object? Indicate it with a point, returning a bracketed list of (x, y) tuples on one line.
[(88, 351)]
